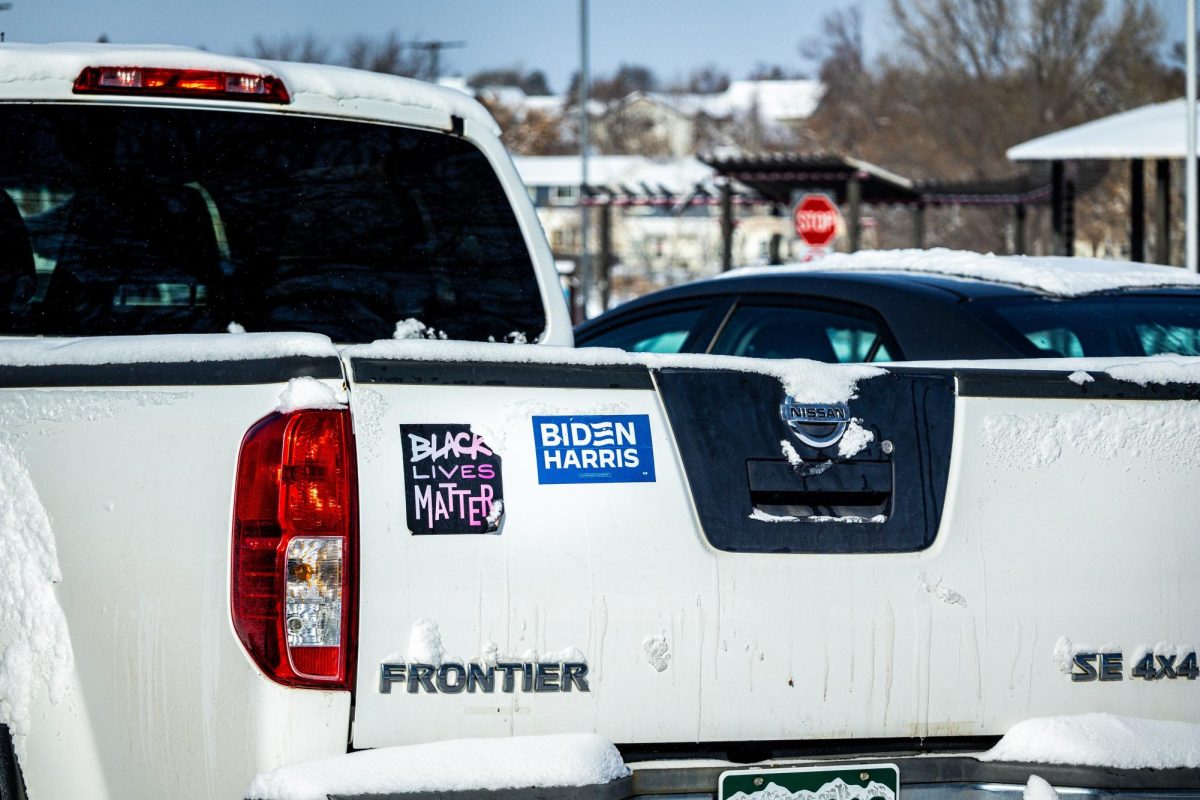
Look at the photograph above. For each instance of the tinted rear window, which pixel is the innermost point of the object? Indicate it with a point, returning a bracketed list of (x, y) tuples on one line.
[(117, 220), (1112, 325)]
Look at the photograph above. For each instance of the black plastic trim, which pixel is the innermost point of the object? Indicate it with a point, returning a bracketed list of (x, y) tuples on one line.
[(935, 770), (723, 421), (11, 785), (198, 373), (537, 376), (1041, 384)]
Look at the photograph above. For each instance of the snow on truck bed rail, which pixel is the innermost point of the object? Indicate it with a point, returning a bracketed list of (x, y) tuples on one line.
[(806, 381), (1101, 740), (459, 765), (164, 349), (1054, 275)]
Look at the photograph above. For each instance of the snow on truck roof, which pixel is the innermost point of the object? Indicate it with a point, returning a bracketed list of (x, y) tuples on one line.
[(48, 72), (1060, 276)]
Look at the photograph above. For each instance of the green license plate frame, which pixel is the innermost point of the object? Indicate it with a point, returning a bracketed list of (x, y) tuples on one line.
[(840, 782)]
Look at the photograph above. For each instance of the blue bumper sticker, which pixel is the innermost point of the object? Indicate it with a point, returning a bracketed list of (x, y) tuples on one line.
[(594, 449)]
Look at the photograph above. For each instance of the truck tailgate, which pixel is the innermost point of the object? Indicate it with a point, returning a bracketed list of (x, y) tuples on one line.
[(948, 575)]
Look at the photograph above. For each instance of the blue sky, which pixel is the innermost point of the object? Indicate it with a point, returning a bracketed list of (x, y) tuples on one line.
[(670, 36)]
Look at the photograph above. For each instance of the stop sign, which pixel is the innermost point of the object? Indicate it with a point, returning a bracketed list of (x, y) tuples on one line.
[(816, 220)]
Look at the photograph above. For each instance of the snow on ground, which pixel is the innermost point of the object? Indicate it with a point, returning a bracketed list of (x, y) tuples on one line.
[(309, 393), (1056, 275), (460, 765), (1101, 740), (164, 349)]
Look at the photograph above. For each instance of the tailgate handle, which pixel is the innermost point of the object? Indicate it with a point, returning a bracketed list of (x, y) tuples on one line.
[(860, 489)]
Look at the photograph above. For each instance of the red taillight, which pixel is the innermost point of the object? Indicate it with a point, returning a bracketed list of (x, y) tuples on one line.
[(294, 548), (159, 82)]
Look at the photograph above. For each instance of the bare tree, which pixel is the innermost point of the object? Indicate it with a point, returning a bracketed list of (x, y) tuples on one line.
[(287, 47), (388, 54), (970, 78)]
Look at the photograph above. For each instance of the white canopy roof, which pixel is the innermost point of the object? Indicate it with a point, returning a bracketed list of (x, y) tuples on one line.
[(1154, 131)]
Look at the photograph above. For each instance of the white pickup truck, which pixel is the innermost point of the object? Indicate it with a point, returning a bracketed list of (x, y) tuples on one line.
[(244, 527)]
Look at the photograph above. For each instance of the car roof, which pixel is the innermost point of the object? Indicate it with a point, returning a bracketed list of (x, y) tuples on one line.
[(48, 71), (1057, 276)]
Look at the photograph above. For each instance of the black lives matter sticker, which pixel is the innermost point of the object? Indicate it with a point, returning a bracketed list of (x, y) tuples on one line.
[(452, 480)]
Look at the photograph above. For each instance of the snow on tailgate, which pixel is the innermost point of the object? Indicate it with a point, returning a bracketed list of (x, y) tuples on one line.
[(806, 381), (1055, 275), (459, 765)]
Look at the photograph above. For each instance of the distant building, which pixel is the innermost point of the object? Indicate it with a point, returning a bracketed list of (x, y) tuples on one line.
[(685, 122), (690, 122), (663, 216)]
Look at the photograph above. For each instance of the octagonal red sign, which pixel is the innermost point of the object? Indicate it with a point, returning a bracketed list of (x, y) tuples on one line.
[(816, 220)]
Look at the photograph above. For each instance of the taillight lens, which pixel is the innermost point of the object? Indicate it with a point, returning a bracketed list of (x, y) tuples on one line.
[(294, 548), (159, 82)]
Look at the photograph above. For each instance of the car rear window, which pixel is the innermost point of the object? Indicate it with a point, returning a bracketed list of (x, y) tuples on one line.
[(129, 220), (1106, 325)]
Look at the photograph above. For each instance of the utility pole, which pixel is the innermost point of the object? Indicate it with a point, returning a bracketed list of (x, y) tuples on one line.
[(4, 7), (585, 266), (435, 47), (1190, 217)]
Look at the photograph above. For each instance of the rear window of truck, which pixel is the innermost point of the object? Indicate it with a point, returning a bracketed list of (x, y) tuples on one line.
[(132, 220)]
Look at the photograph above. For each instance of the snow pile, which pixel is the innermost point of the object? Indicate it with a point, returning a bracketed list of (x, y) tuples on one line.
[(1079, 377), (1056, 275), (1038, 788), (806, 381), (854, 439), (36, 652), (1065, 650), (461, 765), (164, 349), (1101, 740), (425, 643), (1159, 369), (413, 328), (309, 393)]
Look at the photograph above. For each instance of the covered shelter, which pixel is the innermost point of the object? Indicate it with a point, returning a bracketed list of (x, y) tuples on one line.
[(777, 177), (1156, 133)]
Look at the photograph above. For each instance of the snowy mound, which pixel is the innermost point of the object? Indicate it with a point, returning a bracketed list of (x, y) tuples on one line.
[(1101, 740), (460, 765), (1054, 275)]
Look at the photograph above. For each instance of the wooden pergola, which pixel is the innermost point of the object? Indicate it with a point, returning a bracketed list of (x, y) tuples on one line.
[(1155, 133), (778, 177)]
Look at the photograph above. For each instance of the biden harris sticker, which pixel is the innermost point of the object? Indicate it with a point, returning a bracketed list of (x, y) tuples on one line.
[(594, 449)]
